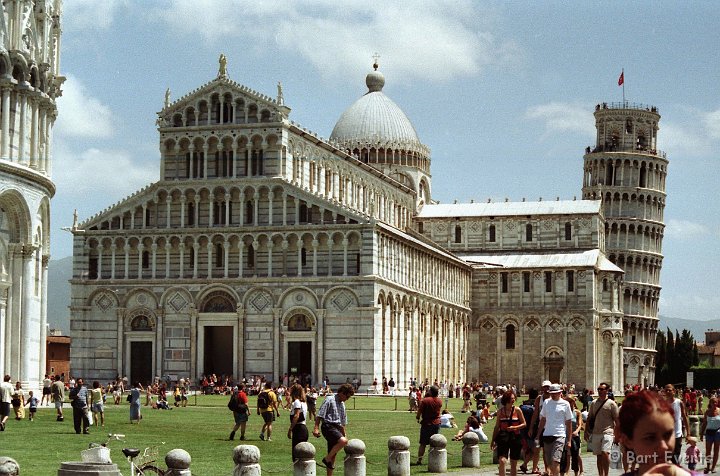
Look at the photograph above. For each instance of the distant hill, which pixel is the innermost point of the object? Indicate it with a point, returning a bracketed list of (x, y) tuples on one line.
[(59, 274), (696, 328)]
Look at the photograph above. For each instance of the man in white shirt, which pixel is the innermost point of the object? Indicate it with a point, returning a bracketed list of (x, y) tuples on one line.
[(555, 428), (6, 390)]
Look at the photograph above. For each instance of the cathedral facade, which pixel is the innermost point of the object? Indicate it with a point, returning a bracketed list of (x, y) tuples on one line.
[(29, 84), (265, 249)]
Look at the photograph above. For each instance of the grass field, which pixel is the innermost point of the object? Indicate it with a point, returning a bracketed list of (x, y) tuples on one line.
[(203, 429)]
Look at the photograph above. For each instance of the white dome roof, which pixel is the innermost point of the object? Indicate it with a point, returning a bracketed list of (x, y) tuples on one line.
[(375, 119)]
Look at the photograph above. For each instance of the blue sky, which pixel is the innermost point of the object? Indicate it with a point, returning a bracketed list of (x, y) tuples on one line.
[(502, 92)]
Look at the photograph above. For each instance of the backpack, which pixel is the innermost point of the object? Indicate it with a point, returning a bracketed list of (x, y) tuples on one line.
[(233, 404), (263, 400)]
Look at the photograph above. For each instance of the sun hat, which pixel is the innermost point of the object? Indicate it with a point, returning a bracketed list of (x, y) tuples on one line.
[(555, 388), (546, 383)]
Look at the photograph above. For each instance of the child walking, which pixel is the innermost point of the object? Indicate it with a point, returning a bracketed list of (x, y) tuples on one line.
[(32, 402), (692, 453)]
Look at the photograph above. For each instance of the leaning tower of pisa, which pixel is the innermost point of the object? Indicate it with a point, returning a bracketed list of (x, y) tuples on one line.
[(627, 171)]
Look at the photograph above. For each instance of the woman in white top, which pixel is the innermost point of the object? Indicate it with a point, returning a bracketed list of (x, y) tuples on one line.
[(298, 416)]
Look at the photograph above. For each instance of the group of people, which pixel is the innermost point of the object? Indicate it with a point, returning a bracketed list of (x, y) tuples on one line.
[(330, 420)]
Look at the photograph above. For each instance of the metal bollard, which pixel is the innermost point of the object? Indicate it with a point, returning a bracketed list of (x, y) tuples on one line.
[(178, 463), (437, 458), (398, 456), (10, 467), (247, 460), (304, 464), (471, 450), (355, 458)]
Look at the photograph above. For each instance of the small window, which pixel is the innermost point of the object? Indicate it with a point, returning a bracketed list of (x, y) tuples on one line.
[(568, 231), (420, 227), (303, 256), (491, 234), (528, 232), (504, 282), (548, 281), (191, 214), (303, 213), (570, 278), (605, 284), (510, 337), (458, 234), (526, 281), (632, 341), (145, 259)]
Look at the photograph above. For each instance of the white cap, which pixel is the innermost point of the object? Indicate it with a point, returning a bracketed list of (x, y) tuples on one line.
[(546, 383)]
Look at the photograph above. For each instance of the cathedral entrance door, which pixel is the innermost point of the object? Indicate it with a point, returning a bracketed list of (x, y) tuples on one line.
[(141, 363), (554, 373), (218, 358), (299, 358)]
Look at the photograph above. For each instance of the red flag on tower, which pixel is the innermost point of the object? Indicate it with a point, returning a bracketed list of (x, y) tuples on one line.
[(621, 79)]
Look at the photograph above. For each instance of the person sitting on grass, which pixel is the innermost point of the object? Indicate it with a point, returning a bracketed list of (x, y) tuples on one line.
[(472, 425)]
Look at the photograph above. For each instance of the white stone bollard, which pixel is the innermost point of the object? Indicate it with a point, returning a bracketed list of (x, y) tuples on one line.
[(437, 458), (247, 460), (178, 463), (398, 456), (471, 450), (304, 464), (355, 458), (9, 467)]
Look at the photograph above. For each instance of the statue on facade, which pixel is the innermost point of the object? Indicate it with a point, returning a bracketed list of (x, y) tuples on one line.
[(222, 71), (280, 99), (167, 97)]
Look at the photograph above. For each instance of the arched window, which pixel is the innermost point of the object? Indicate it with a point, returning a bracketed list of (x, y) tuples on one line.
[(145, 259), (191, 214), (458, 234), (568, 231), (303, 256), (249, 212), (528, 232), (491, 234), (191, 255), (219, 255), (510, 336), (218, 301), (303, 213), (251, 256)]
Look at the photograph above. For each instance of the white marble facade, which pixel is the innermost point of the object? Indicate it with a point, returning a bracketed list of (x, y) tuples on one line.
[(265, 249), (29, 85)]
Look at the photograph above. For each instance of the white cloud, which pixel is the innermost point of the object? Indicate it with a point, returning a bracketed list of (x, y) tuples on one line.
[(684, 229), (711, 121), (434, 40), (90, 14), (80, 114), (563, 117), (87, 175)]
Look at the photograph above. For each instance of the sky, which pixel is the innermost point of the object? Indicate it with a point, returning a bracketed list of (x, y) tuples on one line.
[(501, 91)]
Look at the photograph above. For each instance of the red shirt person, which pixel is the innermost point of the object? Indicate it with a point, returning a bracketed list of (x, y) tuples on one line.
[(428, 415)]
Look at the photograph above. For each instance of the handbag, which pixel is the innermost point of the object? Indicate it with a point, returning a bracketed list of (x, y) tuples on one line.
[(615, 456)]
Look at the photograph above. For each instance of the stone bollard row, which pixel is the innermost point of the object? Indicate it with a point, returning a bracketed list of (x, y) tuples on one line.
[(178, 463), (9, 467), (355, 464), (471, 450), (247, 460), (398, 456), (437, 457), (304, 464)]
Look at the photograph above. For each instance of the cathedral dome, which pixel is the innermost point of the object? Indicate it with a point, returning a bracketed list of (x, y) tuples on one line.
[(375, 121)]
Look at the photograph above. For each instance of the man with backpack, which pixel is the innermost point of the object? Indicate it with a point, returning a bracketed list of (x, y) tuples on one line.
[(238, 404), (267, 406)]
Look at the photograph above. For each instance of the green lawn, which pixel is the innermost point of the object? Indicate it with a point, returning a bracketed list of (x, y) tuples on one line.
[(203, 429)]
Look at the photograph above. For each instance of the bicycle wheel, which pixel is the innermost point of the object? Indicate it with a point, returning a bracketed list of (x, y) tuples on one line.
[(149, 469)]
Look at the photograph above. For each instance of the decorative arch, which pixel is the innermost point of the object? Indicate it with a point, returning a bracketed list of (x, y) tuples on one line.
[(140, 319), (218, 301), (299, 318)]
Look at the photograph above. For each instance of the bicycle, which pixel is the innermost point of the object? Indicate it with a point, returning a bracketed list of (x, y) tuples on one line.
[(100, 453)]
